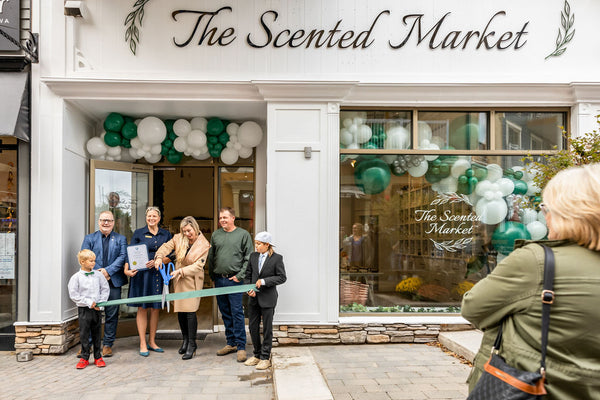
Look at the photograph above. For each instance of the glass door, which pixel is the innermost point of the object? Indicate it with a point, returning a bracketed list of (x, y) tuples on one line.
[(126, 190)]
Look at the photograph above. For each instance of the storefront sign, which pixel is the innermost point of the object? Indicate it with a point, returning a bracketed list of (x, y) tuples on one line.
[(495, 30), (448, 222), (9, 23)]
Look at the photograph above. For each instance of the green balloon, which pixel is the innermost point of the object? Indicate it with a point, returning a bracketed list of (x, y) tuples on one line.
[(480, 173), (520, 187), (472, 183), (128, 119), (168, 143), (129, 130), (372, 176), (444, 170), (465, 137), (224, 138), (169, 124), (537, 200), (371, 146), (112, 139), (463, 180), (503, 238), (171, 135), (437, 162), (174, 158), (114, 122), (509, 172), (212, 139), (218, 147), (214, 127), (462, 187), (164, 150), (433, 175), (215, 154), (126, 143), (469, 173), (518, 174)]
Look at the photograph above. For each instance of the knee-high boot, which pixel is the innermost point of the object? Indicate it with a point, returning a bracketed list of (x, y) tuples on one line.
[(192, 323), (183, 325)]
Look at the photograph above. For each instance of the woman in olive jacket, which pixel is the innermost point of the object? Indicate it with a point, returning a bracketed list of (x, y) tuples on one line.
[(572, 210), (191, 250)]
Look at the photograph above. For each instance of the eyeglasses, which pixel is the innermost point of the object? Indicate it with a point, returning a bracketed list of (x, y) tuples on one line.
[(544, 208), (106, 221)]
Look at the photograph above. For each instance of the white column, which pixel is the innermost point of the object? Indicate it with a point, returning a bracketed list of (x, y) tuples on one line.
[(302, 207)]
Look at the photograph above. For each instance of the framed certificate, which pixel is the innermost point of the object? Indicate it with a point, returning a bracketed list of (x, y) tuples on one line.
[(138, 256)]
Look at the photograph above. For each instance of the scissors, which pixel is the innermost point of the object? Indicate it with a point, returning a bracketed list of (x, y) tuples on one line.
[(165, 271)]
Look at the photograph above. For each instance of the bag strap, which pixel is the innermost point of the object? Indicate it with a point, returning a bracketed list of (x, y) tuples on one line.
[(547, 300)]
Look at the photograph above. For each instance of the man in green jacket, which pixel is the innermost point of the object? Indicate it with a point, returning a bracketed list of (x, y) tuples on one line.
[(227, 262)]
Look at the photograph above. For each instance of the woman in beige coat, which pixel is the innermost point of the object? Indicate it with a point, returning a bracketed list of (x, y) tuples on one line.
[(513, 291), (191, 249)]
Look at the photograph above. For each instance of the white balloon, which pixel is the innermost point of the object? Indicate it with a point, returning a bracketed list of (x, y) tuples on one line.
[(494, 172), (232, 129), (203, 149), (187, 152), (198, 123), (347, 122), (152, 130), (483, 187), (459, 167), (126, 156), (346, 137), (431, 146), (196, 153), (137, 121), (102, 157), (491, 212), (134, 153), (532, 188), (245, 152), (424, 131), (196, 139), (448, 185), (353, 129), (102, 134), (153, 158), (529, 216), (364, 133), (541, 217), (352, 146), (180, 144), (537, 230), (489, 195), (398, 137), (229, 156), (114, 151), (419, 170), (110, 158), (182, 127), (202, 156), (233, 138), (140, 153), (250, 134), (238, 146), (146, 148), (389, 158), (96, 147), (506, 186), (156, 149), (229, 144), (136, 143), (359, 121)]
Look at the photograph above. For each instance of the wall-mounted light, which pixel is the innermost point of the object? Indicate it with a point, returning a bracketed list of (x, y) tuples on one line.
[(76, 9)]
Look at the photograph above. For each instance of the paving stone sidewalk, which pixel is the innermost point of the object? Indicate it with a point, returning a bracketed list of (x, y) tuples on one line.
[(391, 371), (352, 372)]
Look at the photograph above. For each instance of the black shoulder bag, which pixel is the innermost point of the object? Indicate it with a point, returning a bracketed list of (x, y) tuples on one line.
[(501, 381)]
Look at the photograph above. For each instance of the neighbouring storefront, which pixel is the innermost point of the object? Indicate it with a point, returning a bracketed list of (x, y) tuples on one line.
[(382, 144)]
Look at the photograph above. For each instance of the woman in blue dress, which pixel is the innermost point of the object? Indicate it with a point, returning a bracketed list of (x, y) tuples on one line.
[(148, 282)]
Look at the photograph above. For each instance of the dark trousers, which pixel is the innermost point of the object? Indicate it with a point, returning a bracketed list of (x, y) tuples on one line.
[(255, 312), (111, 316), (90, 324), (232, 312)]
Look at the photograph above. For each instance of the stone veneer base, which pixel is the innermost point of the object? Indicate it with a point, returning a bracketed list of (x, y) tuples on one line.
[(46, 338)]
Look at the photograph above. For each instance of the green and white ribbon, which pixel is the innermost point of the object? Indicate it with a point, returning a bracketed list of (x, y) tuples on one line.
[(181, 295)]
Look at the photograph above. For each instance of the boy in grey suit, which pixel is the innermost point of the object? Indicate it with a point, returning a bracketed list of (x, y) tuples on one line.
[(266, 270)]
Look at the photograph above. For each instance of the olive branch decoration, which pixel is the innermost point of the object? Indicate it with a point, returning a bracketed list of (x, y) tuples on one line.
[(452, 245), (132, 34), (566, 21), (443, 198)]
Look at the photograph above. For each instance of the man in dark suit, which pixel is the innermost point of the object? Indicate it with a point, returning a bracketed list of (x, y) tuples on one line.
[(266, 271), (111, 253)]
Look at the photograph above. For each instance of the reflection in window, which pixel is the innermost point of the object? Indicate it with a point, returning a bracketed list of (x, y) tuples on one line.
[(457, 130), (421, 230), (375, 129), (529, 130)]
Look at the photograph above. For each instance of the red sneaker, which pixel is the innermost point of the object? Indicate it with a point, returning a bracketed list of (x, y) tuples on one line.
[(82, 363), (100, 363)]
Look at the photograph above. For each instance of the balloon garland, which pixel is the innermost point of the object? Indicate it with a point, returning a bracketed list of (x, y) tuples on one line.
[(151, 138), (508, 198)]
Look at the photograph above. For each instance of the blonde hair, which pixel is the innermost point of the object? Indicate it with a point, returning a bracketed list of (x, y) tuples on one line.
[(85, 255), (183, 245), (573, 200), (153, 208)]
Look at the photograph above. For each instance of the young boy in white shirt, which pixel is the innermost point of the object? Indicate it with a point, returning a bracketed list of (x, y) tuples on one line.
[(87, 288)]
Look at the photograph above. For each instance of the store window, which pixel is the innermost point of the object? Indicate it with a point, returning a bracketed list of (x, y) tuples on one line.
[(419, 230)]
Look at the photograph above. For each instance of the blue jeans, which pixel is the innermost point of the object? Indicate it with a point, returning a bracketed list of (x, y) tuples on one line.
[(111, 317), (232, 312)]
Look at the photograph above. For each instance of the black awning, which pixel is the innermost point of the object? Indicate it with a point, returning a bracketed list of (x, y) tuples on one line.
[(14, 105)]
